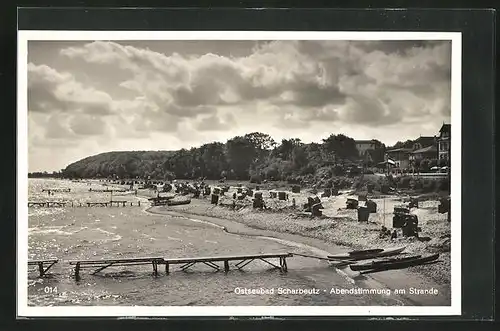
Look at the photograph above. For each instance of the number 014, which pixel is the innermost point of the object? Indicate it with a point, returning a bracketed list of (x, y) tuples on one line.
[(50, 289)]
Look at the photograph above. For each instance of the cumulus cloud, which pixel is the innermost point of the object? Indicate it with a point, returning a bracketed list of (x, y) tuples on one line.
[(50, 90), (277, 86), (216, 123)]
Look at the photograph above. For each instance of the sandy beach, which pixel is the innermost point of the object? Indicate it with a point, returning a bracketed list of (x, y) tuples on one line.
[(338, 225)]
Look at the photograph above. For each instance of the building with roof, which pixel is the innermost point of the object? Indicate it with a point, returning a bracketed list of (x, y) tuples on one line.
[(423, 142), (400, 156), (429, 152), (366, 145), (444, 142)]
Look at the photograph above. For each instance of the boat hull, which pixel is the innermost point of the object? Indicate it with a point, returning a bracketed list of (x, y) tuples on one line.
[(395, 264), (367, 255)]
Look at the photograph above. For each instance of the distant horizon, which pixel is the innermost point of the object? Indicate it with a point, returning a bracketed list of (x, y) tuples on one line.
[(92, 97)]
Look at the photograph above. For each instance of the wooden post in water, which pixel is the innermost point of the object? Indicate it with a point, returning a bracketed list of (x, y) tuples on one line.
[(40, 268), (226, 266), (167, 271), (155, 268), (77, 271)]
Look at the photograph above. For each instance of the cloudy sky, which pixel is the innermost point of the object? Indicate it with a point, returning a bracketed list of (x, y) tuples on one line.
[(86, 98)]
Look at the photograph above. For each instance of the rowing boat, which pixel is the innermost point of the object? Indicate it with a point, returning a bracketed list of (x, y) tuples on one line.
[(396, 263), (366, 254)]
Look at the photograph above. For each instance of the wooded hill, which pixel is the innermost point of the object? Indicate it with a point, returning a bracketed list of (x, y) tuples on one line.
[(255, 154)]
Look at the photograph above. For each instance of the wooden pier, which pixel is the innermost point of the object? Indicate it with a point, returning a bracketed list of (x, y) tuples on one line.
[(49, 190), (118, 202), (103, 264), (97, 204), (243, 260), (107, 191), (47, 204), (42, 270), (53, 204), (186, 263)]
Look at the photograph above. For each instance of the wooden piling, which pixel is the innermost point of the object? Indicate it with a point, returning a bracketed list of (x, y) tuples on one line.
[(155, 268), (167, 271), (226, 265), (77, 271)]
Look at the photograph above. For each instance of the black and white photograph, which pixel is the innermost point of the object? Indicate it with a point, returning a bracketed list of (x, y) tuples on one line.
[(249, 173)]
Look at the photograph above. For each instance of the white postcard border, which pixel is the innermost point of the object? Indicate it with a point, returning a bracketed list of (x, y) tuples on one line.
[(23, 310)]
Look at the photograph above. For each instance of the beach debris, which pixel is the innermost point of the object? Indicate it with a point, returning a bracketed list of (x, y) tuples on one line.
[(214, 199), (282, 195), (363, 214)]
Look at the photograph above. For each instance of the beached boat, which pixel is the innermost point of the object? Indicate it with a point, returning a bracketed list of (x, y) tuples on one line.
[(367, 254), (396, 263), (177, 203)]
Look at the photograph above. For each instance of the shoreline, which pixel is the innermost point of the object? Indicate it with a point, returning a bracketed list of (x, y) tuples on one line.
[(328, 230), (401, 278)]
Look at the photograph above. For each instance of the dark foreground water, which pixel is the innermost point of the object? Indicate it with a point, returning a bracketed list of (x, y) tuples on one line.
[(82, 233)]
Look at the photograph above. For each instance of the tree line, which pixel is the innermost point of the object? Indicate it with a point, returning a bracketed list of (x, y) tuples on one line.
[(254, 155)]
